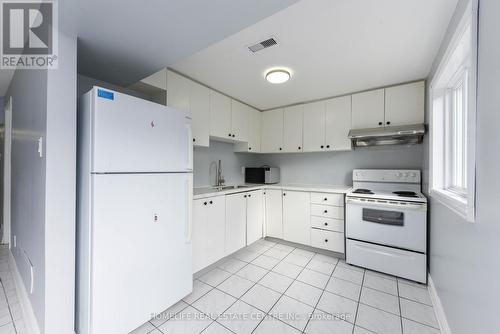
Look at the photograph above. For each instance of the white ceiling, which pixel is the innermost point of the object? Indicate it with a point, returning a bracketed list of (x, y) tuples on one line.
[(332, 47), (124, 41)]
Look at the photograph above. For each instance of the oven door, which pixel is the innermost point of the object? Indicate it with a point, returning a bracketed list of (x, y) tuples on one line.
[(396, 224)]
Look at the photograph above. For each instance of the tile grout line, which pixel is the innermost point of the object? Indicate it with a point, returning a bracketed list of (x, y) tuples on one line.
[(399, 304), (8, 306), (359, 301)]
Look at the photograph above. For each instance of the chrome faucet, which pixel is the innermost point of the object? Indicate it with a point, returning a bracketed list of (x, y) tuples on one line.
[(219, 179)]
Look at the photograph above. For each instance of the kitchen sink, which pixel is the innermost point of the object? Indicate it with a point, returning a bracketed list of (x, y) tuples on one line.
[(230, 187)]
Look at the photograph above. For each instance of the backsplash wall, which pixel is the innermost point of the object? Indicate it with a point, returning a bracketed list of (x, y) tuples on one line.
[(204, 172), (335, 168)]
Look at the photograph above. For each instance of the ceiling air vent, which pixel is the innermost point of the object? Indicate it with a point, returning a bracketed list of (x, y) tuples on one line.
[(263, 45)]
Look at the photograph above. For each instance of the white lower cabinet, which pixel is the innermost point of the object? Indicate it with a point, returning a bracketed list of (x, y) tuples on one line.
[(333, 241), (255, 216), (274, 213), (209, 231), (236, 218), (296, 216)]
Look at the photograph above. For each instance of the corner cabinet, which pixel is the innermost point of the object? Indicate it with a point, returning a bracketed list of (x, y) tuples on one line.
[(272, 131), (252, 145)]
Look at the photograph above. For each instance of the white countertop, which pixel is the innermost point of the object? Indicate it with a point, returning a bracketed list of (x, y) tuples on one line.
[(205, 192)]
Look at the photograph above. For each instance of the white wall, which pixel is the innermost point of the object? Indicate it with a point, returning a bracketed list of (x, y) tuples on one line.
[(43, 187), (464, 261), (335, 168)]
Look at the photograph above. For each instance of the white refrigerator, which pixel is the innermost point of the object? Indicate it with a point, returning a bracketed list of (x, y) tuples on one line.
[(134, 256)]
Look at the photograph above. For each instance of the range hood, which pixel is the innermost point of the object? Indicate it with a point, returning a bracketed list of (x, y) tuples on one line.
[(390, 135)]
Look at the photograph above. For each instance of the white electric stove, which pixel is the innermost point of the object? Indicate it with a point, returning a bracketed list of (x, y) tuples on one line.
[(386, 223)]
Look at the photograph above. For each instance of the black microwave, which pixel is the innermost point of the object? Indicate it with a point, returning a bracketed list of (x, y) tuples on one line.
[(262, 175)]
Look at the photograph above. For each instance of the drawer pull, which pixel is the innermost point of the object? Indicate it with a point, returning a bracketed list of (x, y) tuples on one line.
[(326, 240), (211, 202), (325, 199), (326, 224), (204, 203), (326, 211)]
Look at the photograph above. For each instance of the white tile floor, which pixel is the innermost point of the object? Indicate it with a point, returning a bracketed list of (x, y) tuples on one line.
[(275, 288), (11, 320)]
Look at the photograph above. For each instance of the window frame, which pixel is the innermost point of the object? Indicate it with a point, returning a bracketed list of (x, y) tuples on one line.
[(460, 200)]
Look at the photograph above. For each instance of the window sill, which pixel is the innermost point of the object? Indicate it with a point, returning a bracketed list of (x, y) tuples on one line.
[(454, 202)]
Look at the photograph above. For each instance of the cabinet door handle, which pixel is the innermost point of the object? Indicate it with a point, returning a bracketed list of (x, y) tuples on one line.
[(249, 195), (234, 135), (322, 146), (326, 224), (388, 123), (249, 148), (299, 147), (205, 203), (229, 135), (194, 139), (284, 194), (245, 196), (325, 199), (326, 211), (326, 240), (327, 146), (280, 148), (211, 202), (379, 123)]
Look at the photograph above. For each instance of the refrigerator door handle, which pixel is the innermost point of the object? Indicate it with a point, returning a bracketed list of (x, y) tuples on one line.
[(189, 206), (190, 146)]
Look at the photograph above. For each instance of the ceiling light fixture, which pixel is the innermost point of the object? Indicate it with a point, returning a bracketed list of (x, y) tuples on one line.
[(277, 76)]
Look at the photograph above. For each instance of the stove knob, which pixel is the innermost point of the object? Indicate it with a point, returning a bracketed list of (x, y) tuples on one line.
[(399, 174)]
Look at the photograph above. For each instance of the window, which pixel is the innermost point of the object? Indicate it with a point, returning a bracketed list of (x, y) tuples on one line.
[(452, 122)]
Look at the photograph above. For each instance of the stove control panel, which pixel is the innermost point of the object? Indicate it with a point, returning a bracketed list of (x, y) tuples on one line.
[(386, 175)]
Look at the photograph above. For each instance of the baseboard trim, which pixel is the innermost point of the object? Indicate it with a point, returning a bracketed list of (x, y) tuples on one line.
[(27, 311), (438, 307)]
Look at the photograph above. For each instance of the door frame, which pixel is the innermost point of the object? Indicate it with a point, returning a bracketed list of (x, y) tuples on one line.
[(7, 171)]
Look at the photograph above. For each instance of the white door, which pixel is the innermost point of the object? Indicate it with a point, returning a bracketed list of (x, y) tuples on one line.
[(292, 128), (404, 104), (368, 109), (274, 211), (134, 135), (255, 216), (236, 218), (141, 255), (314, 126), (254, 130), (200, 231), (296, 217), (177, 91), (338, 124), (272, 131), (199, 97), (239, 120), (220, 115), (216, 228)]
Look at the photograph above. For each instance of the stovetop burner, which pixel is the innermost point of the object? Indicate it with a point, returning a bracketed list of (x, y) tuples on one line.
[(405, 193), (363, 191)]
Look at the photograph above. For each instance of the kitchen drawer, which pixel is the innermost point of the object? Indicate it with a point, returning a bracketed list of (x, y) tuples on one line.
[(333, 241), (327, 211), (327, 199), (393, 261), (330, 224)]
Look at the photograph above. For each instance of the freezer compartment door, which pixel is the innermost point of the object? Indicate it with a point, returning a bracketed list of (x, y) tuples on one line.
[(141, 256), (135, 135)]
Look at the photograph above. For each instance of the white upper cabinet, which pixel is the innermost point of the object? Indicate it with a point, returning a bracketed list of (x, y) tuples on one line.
[(220, 115), (187, 95), (199, 100), (239, 120), (338, 123), (404, 104), (177, 91), (314, 126), (272, 131), (254, 127), (292, 128), (368, 109)]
